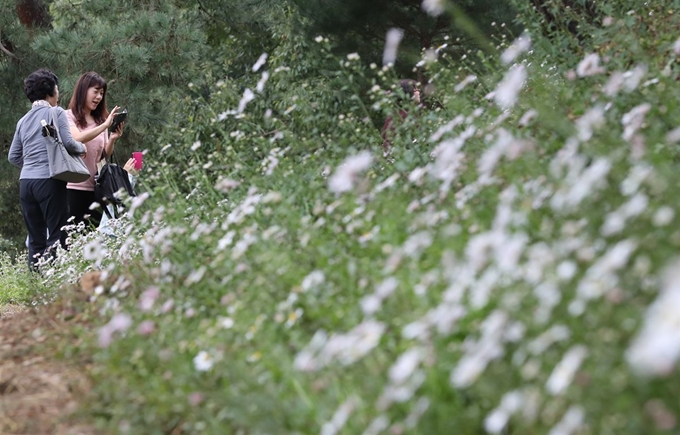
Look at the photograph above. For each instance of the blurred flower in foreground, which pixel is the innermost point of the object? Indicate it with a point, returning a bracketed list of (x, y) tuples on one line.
[(433, 7), (392, 45), (656, 349), (203, 361), (589, 66), (118, 323), (345, 175), (519, 46)]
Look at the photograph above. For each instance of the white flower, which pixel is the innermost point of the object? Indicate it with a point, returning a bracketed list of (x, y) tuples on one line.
[(499, 417), (392, 41), (203, 361), (673, 136), (262, 59), (527, 118), (590, 120), (656, 348), (262, 82), (370, 304), (137, 202), (663, 216), (466, 81), (633, 120), (340, 417), (248, 96), (227, 323), (353, 56), (571, 421), (378, 425), (405, 366), (224, 185), (313, 280), (634, 77), (319, 39), (433, 7), (508, 89), (676, 47), (589, 66), (345, 175), (519, 46), (614, 84), (565, 370), (195, 276), (93, 250)]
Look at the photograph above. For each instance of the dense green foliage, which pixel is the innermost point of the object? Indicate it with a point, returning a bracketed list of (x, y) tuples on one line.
[(509, 267)]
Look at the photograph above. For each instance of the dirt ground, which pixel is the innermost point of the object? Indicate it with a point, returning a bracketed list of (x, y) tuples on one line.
[(38, 394)]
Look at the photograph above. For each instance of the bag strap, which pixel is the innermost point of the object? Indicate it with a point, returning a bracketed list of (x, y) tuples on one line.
[(53, 118)]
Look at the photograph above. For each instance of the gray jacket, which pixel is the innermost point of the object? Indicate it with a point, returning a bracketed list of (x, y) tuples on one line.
[(28, 150)]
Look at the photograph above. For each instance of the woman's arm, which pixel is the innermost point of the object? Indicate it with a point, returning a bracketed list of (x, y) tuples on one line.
[(111, 143), (72, 145), (108, 148), (88, 135), (16, 155)]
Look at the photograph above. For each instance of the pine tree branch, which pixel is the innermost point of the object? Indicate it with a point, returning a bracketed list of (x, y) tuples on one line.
[(5, 50)]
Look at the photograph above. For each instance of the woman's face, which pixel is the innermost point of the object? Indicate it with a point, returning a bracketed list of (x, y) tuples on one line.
[(94, 97)]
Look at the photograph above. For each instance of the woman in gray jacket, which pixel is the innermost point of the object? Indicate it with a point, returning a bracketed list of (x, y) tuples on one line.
[(43, 199)]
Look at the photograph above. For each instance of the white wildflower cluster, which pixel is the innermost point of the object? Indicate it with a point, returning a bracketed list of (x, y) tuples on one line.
[(519, 46), (272, 160), (564, 372), (497, 420), (479, 353), (342, 414), (507, 91), (345, 176), (655, 351), (344, 348), (589, 66), (370, 304)]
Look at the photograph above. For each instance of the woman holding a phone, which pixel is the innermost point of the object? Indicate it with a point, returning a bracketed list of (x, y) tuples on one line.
[(89, 121)]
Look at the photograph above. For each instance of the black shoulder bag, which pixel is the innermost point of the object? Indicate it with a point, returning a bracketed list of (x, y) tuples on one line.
[(110, 182)]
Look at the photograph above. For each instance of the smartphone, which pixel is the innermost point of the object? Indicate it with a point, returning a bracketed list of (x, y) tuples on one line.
[(118, 118)]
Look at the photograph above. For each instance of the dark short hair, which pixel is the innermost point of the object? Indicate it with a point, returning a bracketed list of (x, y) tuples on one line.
[(40, 84)]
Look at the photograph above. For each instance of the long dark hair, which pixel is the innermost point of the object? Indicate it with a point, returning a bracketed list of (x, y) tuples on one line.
[(77, 104)]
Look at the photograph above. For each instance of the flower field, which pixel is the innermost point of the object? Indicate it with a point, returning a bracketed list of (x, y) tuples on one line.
[(509, 266)]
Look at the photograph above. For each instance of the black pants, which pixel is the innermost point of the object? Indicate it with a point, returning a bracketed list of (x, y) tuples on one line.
[(79, 202), (45, 209)]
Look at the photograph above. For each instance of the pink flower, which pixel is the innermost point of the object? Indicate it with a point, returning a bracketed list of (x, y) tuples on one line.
[(148, 298), (146, 327)]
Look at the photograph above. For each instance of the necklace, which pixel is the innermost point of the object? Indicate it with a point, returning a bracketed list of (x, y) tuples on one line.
[(37, 103)]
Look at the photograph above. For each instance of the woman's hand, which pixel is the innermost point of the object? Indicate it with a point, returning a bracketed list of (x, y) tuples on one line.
[(109, 120), (130, 167), (118, 133)]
